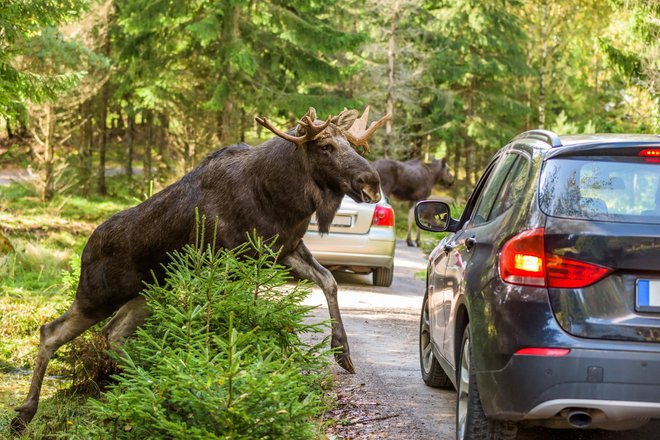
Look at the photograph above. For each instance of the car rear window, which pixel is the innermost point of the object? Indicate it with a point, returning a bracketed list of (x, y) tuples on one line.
[(609, 188)]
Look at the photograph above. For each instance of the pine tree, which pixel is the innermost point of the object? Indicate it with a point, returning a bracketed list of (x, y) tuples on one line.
[(22, 24), (479, 59)]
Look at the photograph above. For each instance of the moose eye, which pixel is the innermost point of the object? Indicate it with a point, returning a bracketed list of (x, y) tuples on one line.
[(325, 147)]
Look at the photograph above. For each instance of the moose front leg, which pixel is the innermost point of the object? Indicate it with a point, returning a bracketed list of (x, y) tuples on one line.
[(411, 225), (304, 265)]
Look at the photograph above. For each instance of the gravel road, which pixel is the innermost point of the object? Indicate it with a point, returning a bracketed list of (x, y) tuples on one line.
[(386, 398)]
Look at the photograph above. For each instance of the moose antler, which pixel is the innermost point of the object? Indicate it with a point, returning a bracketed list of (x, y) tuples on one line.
[(358, 134), (310, 130)]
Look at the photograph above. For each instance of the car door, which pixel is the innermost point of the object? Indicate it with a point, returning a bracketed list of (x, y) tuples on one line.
[(446, 270), (473, 257)]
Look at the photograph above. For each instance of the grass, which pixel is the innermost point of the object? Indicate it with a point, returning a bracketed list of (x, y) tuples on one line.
[(46, 237)]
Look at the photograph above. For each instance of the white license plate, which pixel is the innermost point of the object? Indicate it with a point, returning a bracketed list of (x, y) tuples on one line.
[(648, 295), (342, 221)]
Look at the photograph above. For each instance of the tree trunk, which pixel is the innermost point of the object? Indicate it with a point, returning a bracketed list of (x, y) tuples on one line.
[(543, 62), (85, 148), (49, 158), (228, 34), (10, 135), (163, 140), (456, 149), (128, 141), (103, 125), (392, 53), (101, 187), (146, 160)]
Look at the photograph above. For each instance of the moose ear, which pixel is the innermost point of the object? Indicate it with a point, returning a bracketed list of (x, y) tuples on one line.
[(345, 119), (311, 113), (302, 126)]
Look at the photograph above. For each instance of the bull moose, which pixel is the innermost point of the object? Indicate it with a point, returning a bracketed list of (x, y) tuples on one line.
[(272, 189), (412, 181)]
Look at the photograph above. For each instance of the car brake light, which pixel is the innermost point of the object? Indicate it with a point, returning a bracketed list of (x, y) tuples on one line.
[(541, 351), (651, 154), (383, 216), (523, 261)]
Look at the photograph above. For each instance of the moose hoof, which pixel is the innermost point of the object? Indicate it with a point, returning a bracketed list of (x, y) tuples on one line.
[(410, 243), (418, 243), (24, 416), (344, 361), (18, 425)]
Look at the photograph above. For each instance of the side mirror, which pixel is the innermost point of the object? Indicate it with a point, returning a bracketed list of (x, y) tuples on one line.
[(433, 216)]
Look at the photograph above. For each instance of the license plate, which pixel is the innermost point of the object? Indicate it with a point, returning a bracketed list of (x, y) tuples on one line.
[(648, 295), (342, 221)]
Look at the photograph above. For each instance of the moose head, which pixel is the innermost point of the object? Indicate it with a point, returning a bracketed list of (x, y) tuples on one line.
[(335, 166)]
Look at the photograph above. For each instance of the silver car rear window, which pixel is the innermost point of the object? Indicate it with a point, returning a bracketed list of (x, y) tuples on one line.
[(618, 189)]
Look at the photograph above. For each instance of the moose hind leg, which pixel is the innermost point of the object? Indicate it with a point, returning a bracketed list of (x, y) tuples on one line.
[(52, 336), (304, 265), (128, 318)]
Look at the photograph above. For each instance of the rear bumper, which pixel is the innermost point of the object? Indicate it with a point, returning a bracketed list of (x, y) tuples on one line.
[(616, 386), (375, 249)]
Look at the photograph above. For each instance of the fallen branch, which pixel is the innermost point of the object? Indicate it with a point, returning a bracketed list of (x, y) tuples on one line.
[(369, 419)]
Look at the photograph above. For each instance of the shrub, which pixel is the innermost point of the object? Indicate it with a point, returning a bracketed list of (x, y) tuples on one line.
[(220, 357)]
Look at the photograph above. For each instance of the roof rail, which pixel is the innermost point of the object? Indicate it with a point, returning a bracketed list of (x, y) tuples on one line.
[(548, 136)]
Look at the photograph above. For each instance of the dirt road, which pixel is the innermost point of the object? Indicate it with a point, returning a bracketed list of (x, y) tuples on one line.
[(387, 399)]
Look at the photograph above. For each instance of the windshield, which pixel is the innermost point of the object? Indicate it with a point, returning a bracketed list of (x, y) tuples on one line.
[(624, 189)]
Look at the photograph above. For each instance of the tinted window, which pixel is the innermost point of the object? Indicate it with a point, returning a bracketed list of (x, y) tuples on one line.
[(502, 189), (608, 188), (513, 187)]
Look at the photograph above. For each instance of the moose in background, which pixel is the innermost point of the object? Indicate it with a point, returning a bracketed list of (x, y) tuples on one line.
[(412, 181), (272, 189)]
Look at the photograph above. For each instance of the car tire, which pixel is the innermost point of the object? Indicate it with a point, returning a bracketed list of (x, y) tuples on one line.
[(471, 421), (432, 373), (383, 276)]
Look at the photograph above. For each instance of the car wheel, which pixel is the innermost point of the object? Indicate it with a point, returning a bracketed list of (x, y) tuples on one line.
[(471, 422), (383, 276), (432, 373)]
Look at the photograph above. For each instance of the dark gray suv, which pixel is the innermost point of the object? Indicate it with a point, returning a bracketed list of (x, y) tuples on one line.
[(542, 306)]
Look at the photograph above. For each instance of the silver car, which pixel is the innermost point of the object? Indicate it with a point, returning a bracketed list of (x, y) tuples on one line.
[(361, 240)]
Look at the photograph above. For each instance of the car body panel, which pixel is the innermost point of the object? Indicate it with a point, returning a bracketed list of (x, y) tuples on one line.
[(351, 218)]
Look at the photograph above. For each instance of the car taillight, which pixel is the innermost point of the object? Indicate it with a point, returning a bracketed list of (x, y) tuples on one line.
[(568, 273), (383, 216), (542, 351), (523, 261)]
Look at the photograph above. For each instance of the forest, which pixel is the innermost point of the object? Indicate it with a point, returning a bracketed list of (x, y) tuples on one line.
[(148, 88)]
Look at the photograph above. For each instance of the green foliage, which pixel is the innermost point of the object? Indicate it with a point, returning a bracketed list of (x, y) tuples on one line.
[(23, 23), (231, 53), (220, 356), (563, 126)]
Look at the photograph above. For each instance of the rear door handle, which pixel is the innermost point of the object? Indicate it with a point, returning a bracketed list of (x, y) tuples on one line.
[(470, 242)]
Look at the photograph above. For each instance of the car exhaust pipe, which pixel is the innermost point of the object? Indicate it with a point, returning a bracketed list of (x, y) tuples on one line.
[(578, 418)]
